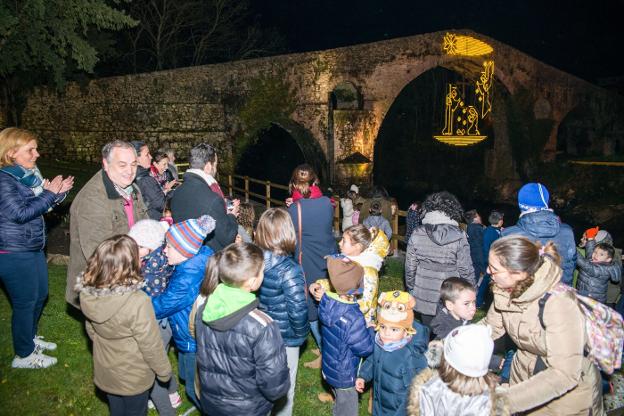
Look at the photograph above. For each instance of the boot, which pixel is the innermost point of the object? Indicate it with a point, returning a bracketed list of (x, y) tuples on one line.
[(325, 397), (316, 363)]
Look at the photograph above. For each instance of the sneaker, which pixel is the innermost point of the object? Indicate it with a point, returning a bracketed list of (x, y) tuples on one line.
[(34, 360), (44, 345), (150, 404), (175, 400)]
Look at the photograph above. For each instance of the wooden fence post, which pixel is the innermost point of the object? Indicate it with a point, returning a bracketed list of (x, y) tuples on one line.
[(230, 185), (246, 188), (267, 194), (395, 232), (337, 214)]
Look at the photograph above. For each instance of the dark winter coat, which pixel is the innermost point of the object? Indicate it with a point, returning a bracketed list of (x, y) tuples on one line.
[(177, 300), (345, 340), (241, 362), (490, 235), (392, 373), (156, 272), (475, 239), (593, 279), (283, 297), (317, 215), (153, 195), (443, 323), (22, 227), (545, 226), (193, 199), (435, 252)]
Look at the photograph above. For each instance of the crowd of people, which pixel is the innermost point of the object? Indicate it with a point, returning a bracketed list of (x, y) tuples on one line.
[(155, 260)]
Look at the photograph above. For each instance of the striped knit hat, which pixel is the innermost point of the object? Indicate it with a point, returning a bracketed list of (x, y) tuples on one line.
[(187, 236)]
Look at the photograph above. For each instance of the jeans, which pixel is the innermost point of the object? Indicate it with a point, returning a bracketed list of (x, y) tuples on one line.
[(284, 406), (346, 402), (315, 328), (186, 368), (619, 306), (128, 405), (160, 392), (506, 370), (25, 277)]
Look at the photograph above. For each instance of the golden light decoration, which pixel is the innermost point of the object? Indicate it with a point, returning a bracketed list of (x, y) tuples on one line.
[(465, 45)]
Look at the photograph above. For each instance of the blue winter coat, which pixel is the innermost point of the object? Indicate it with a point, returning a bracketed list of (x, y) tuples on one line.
[(490, 235), (22, 227), (475, 239), (283, 297), (392, 372), (345, 340), (156, 272), (545, 226), (317, 216), (177, 300)]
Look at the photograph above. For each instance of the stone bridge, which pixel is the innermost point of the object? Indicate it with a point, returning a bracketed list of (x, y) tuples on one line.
[(332, 103)]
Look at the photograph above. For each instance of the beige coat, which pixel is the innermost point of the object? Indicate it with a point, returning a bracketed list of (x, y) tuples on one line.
[(570, 383), (128, 351), (96, 214)]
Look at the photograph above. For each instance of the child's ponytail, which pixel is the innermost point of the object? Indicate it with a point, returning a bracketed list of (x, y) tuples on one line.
[(211, 277)]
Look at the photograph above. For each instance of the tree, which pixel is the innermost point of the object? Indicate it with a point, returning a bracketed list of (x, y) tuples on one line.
[(43, 41)]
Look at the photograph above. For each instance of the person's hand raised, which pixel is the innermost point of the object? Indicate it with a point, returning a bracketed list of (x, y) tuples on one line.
[(54, 185), (67, 184)]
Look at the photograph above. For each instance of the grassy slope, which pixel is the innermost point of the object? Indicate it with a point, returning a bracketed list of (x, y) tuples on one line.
[(67, 388)]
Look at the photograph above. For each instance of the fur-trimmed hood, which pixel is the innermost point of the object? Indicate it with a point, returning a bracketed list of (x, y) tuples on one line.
[(429, 381), (99, 305)]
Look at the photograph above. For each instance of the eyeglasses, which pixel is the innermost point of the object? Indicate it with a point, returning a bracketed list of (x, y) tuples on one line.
[(493, 272)]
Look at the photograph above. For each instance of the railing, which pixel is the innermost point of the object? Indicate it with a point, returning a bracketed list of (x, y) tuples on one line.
[(241, 184)]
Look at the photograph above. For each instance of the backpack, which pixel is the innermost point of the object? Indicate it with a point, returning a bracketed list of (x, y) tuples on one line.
[(604, 328)]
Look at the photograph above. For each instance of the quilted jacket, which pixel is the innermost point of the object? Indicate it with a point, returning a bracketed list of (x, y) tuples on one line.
[(345, 340), (177, 300), (283, 297)]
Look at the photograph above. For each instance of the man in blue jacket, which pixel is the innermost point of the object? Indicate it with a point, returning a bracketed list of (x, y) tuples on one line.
[(539, 223)]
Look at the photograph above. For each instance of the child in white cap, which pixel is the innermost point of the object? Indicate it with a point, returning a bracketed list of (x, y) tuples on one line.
[(462, 384)]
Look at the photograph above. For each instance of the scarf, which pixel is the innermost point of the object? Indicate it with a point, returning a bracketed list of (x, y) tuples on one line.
[(31, 178), (392, 346), (212, 183)]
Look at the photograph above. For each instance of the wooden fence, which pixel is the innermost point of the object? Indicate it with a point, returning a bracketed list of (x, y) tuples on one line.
[(241, 185)]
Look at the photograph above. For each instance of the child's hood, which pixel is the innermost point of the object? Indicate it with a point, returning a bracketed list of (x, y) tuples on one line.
[(227, 306), (100, 305)]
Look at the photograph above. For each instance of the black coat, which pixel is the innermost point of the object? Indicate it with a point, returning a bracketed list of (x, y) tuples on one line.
[(153, 195), (193, 199), (241, 362)]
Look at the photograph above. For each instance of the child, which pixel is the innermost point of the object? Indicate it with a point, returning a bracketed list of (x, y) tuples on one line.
[(345, 337), (596, 269), (462, 385), (347, 205), (246, 219), (127, 349), (185, 251), (375, 219), (367, 248), (356, 213), (400, 345), (155, 270), (491, 234), (458, 306), (241, 359), (283, 294)]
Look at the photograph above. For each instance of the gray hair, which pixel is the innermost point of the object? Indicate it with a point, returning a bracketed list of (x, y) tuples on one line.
[(201, 154), (107, 150)]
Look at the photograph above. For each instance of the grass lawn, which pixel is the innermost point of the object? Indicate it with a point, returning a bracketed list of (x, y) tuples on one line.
[(67, 388)]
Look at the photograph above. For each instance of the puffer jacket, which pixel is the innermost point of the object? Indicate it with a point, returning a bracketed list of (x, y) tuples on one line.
[(241, 362), (430, 396), (127, 348), (569, 384), (177, 300), (283, 297), (153, 195), (545, 226), (594, 278), (392, 372), (438, 249), (96, 214), (345, 340), (22, 227)]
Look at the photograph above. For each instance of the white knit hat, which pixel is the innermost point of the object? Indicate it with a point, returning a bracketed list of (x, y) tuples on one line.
[(355, 188), (468, 349), (149, 233)]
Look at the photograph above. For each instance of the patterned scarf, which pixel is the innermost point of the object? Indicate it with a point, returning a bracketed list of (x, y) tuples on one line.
[(31, 178)]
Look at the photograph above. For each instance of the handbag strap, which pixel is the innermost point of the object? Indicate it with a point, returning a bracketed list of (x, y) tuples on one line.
[(299, 226)]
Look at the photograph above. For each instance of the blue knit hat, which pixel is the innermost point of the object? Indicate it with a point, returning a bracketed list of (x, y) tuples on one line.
[(533, 197), (187, 236)]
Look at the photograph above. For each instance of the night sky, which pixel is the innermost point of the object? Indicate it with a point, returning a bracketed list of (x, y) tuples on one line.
[(583, 38)]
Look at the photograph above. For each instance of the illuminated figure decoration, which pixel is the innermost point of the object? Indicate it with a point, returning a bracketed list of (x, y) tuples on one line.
[(484, 85), (461, 119)]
